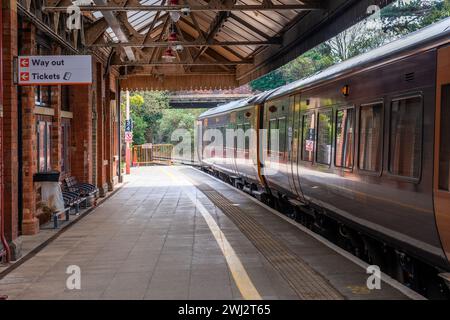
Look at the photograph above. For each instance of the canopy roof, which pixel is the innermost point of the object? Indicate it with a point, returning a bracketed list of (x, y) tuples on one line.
[(191, 44)]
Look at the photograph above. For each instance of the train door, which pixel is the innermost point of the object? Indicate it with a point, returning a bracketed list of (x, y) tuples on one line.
[(442, 149), (292, 144)]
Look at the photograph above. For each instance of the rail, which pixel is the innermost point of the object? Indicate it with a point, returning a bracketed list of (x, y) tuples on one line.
[(150, 154)]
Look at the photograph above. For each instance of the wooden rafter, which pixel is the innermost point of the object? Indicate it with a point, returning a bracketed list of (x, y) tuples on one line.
[(212, 6)]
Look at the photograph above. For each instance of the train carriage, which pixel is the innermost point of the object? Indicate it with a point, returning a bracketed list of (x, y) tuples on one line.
[(366, 144)]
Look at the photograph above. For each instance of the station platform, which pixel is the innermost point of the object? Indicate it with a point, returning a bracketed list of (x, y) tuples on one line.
[(177, 233)]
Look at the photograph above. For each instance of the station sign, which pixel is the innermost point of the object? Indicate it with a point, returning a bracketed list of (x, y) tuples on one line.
[(128, 136), (128, 125), (54, 70)]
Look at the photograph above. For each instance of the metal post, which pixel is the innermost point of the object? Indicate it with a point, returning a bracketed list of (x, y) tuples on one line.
[(127, 149), (119, 135)]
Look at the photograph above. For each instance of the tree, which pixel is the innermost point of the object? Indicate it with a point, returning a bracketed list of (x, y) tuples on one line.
[(307, 64), (146, 109), (271, 80), (177, 119)]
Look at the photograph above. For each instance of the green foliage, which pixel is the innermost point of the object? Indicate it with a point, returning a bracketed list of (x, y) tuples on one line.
[(139, 130), (153, 120), (176, 119), (146, 109), (271, 80)]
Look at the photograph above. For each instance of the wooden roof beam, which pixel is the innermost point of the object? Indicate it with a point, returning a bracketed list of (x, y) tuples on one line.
[(195, 43), (183, 63), (308, 6)]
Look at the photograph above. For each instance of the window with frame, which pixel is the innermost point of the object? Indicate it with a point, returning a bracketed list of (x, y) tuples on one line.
[(43, 94), (405, 141), (43, 133), (65, 147), (324, 137), (345, 119), (444, 141), (370, 137), (282, 134), (272, 135), (308, 136), (247, 134), (65, 98)]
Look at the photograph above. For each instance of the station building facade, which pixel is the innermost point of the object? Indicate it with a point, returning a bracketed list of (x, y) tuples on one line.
[(73, 129)]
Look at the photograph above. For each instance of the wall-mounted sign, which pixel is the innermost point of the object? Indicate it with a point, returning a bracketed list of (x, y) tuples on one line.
[(128, 125), (54, 70), (128, 136)]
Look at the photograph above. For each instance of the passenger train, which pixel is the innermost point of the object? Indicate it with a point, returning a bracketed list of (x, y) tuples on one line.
[(363, 157)]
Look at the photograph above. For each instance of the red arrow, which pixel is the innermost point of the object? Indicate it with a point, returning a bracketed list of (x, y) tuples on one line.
[(24, 63), (24, 76)]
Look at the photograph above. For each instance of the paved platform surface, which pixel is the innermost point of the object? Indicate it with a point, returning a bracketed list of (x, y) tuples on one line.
[(160, 237)]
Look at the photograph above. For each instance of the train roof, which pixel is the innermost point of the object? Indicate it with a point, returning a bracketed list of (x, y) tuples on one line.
[(237, 104), (427, 35)]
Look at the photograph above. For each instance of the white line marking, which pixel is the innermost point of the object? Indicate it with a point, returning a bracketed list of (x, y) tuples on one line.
[(240, 276)]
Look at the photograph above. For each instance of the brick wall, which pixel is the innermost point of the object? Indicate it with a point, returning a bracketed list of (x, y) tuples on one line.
[(30, 224), (100, 135), (81, 151), (56, 141), (90, 106), (10, 124)]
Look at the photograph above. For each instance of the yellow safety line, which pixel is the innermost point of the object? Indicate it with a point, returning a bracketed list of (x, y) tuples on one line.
[(240, 275)]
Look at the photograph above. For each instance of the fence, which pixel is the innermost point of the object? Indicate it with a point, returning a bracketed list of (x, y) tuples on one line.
[(149, 154)]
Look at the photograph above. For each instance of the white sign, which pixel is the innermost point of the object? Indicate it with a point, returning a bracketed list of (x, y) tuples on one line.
[(54, 70), (128, 136)]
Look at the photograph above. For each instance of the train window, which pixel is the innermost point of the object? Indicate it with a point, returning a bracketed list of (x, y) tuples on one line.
[(444, 141), (223, 141), (273, 125), (308, 136), (324, 137), (282, 133), (405, 143), (246, 139), (240, 137), (344, 138), (370, 137)]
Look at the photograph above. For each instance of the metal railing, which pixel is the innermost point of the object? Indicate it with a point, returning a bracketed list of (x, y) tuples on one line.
[(149, 154)]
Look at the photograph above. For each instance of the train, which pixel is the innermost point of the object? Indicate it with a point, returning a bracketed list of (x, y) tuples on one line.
[(362, 154)]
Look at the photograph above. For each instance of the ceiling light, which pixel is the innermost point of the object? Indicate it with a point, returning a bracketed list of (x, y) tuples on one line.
[(175, 16), (168, 55)]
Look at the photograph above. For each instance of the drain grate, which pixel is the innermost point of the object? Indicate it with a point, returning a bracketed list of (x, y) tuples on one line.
[(307, 283)]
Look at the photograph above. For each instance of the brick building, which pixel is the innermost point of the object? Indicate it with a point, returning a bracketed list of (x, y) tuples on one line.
[(72, 129)]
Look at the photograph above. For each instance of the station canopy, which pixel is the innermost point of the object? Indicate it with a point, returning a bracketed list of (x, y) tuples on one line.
[(215, 44)]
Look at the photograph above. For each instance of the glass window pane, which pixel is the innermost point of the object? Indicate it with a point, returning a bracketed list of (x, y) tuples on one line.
[(308, 137), (41, 146), (444, 149), (406, 137), (370, 137), (344, 138), (282, 134), (48, 146), (273, 126), (324, 136)]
